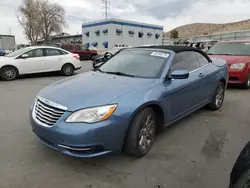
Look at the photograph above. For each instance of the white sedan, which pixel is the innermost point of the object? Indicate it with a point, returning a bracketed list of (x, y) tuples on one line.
[(38, 59)]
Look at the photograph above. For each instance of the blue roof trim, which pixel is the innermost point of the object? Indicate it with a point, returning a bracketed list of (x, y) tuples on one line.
[(121, 23)]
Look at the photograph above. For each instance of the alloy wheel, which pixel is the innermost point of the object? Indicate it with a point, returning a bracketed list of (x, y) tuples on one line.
[(219, 96), (8, 73), (146, 133)]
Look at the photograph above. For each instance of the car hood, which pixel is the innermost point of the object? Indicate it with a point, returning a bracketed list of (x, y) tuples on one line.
[(232, 59), (91, 89), (4, 59)]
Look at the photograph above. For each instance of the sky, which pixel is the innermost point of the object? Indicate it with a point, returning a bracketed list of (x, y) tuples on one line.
[(169, 13)]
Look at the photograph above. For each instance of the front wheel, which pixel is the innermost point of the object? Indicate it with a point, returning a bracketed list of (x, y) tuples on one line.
[(246, 85), (218, 97), (68, 70), (141, 134), (8, 73)]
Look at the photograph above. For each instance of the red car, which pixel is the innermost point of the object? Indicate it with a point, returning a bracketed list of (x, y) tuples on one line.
[(237, 55), (83, 51)]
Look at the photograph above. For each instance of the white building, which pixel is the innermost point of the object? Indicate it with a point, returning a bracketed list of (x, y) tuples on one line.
[(104, 34), (7, 42)]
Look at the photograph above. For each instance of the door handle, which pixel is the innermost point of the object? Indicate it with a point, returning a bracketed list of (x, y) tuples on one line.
[(201, 74)]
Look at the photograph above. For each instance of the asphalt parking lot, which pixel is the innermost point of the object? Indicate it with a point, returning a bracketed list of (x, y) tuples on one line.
[(197, 152)]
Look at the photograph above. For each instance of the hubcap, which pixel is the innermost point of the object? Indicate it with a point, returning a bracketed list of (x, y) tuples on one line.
[(219, 96), (146, 132), (9, 73), (68, 70)]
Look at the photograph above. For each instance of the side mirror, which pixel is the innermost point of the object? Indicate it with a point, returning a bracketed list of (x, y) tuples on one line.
[(25, 56), (179, 74)]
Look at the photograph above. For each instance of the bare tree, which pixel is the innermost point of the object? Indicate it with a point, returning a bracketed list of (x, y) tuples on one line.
[(52, 18), (28, 17)]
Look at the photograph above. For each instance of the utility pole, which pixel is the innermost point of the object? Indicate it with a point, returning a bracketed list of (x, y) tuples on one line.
[(10, 30), (105, 8)]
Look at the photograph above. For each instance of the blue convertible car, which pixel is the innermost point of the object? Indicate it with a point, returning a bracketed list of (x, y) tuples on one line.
[(121, 105)]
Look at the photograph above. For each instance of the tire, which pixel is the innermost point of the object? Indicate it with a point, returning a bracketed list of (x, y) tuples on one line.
[(68, 69), (243, 181), (8, 73), (246, 85), (92, 57), (218, 97), (141, 134)]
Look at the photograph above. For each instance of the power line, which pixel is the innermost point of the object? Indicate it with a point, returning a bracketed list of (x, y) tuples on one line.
[(105, 8)]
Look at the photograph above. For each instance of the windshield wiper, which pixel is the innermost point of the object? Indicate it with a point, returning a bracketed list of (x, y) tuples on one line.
[(120, 74)]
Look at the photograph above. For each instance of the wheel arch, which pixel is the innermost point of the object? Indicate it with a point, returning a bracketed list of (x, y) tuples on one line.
[(158, 109), (68, 63)]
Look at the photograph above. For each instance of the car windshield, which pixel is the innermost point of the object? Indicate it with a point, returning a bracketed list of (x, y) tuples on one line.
[(18, 52), (137, 63), (230, 48)]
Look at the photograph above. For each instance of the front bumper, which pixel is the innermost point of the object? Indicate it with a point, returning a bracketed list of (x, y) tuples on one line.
[(82, 139), (238, 76)]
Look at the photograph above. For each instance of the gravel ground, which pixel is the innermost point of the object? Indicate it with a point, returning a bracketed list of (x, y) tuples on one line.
[(198, 151)]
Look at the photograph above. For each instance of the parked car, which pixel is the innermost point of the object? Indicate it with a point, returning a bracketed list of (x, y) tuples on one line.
[(2, 52), (237, 55), (83, 51), (38, 59), (240, 174), (124, 102), (102, 58)]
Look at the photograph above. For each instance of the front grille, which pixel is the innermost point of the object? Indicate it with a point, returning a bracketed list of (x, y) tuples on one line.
[(47, 114)]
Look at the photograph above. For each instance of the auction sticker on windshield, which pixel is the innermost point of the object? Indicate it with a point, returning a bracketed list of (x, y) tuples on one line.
[(160, 54)]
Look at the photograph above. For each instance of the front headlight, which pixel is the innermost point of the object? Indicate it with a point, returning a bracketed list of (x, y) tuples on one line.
[(238, 66), (92, 115)]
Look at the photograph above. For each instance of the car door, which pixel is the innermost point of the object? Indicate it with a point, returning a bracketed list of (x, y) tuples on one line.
[(35, 62), (54, 59), (206, 74), (183, 94)]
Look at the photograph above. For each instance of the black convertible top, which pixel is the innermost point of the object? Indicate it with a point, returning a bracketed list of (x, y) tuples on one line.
[(177, 49)]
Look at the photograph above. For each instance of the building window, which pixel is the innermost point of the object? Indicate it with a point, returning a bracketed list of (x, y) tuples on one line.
[(105, 44), (105, 31), (97, 32), (86, 44), (149, 35), (140, 34), (118, 31), (131, 33), (87, 34), (94, 44), (157, 35)]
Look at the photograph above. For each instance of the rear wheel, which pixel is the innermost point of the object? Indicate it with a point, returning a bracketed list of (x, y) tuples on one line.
[(8, 73), (68, 69), (92, 57), (218, 97), (141, 134), (246, 85)]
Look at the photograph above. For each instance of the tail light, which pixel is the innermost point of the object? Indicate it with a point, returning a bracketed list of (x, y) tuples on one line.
[(76, 56)]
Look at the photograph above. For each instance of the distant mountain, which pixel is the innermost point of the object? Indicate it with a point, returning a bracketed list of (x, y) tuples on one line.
[(197, 29)]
